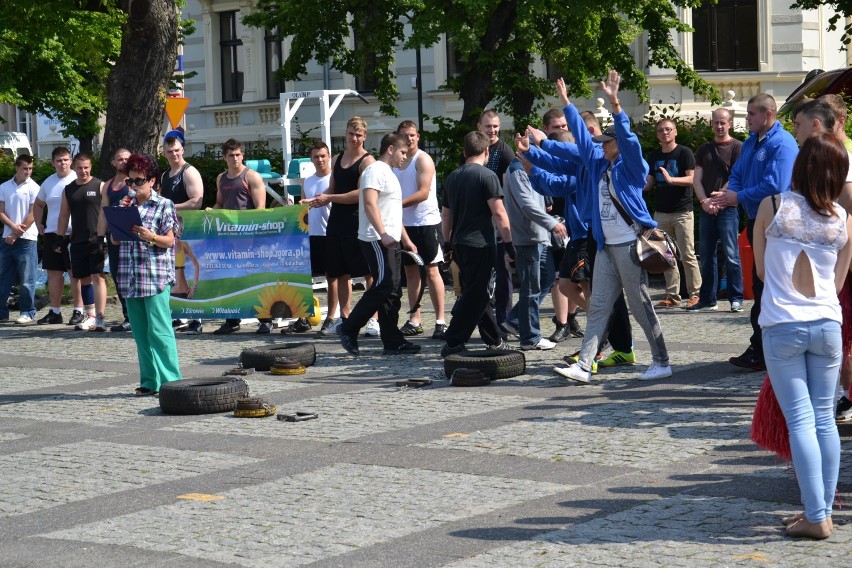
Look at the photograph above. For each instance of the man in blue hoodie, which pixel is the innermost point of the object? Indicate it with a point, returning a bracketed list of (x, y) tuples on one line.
[(619, 211), (764, 168)]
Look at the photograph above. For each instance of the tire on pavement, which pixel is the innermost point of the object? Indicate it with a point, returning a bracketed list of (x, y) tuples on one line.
[(202, 396), (464, 377), (497, 364), (263, 358)]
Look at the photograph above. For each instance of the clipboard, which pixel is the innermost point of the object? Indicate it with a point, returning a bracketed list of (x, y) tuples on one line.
[(120, 220)]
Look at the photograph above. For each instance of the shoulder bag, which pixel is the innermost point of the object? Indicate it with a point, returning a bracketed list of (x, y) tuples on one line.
[(656, 250)]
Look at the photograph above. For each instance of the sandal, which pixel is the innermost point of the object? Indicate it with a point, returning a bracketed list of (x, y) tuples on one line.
[(142, 391)]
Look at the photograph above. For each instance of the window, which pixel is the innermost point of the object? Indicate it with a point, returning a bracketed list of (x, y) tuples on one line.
[(274, 60), (454, 59), (553, 71), (24, 123), (366, 81), (725, 37), (233, 56)]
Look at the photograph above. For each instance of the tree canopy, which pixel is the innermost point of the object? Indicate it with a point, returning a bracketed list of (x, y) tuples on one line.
[(495, 39), (56, 56)]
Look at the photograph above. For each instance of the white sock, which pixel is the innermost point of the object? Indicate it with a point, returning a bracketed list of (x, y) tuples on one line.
[(55, 310)]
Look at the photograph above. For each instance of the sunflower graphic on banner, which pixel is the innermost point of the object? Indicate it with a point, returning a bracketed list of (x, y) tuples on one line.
[(251, 264)]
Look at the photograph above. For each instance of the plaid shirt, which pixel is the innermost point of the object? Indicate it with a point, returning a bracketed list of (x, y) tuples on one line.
[(145, 270)]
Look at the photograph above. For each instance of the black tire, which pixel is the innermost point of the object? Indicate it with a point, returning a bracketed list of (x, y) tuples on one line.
[(262, 358), (202, 396), (465, 377), (497, 364)]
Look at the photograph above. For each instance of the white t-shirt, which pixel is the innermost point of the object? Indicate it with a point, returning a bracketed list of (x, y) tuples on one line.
[(317, 216), (17, 200), (615, 229), (379, 177), (51, 194), (426, 213)]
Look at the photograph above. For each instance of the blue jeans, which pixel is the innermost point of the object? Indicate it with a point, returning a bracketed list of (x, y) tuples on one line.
[(536, 271), (20, 258), (803, 361), (723, 227)]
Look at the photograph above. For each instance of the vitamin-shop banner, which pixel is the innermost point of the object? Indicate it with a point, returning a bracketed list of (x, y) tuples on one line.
[(243, 264)]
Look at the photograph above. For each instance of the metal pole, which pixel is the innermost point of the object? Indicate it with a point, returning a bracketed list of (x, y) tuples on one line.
[(419, 97)]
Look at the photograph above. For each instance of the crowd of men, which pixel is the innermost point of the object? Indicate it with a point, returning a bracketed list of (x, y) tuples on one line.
[(572, 194)]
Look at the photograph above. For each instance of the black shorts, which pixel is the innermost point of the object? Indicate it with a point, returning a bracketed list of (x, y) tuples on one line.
[(576, 265), (427, 240), (85, 259), (318, 254), (343, 256), (50, 259)]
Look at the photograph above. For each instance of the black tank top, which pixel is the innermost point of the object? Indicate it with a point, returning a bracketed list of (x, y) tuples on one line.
[(343, 219), (84, 203), (173, 187)]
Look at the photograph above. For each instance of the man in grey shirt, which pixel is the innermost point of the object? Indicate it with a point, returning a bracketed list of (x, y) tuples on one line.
[(531, 228)]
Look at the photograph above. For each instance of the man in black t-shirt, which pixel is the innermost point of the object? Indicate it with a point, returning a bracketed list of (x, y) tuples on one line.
[(500, 155), (671, 172), (472, 203)]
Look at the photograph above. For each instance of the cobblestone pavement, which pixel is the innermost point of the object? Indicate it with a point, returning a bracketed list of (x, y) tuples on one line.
[(528, 471)]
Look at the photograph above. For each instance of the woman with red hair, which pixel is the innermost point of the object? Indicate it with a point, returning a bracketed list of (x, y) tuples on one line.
[(146, 274)]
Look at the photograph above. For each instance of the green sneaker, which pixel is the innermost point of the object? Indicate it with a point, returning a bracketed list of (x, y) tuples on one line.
[(575, 358), (619, 358)]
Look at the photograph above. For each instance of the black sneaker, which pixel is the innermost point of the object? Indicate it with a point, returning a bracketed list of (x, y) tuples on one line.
[(301, 325), (193, 328), (227, 328), (349, 342), (561, 333), (50, 318), (440, 330), (508, 330), (264, 328), (178, 325), (123, 326), (449, 350), (412, 329), (502, 346), (748, 360), (406, 348), (76, 318), (574, 327), (844, 410)]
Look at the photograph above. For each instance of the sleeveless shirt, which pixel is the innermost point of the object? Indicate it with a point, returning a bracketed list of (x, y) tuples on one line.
[(343, 219), (84, 203), (235, 191), (425, 213), (172, 187), (799, 230), (116, 195)]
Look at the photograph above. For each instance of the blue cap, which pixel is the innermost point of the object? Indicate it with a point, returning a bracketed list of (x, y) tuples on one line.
[(176, 134)]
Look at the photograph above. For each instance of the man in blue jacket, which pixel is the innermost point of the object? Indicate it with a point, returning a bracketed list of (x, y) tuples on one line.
[(618, 212), (764, 168)]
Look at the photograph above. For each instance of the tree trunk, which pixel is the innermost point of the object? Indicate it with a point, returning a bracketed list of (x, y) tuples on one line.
[(139, 81), (477, 88)]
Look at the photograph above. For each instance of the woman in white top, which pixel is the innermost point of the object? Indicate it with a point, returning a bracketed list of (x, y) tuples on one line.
[(802, 253)]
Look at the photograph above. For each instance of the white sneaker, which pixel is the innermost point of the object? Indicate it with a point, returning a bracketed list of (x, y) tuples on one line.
[(574, 372), (24, 320), (656, 371), (331, 328), (86, 324), (372, 328), (543, 344)]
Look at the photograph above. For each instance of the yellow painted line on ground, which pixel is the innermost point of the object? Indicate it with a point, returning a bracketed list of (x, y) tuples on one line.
[(456, 435), (205, 497), (756, 556)]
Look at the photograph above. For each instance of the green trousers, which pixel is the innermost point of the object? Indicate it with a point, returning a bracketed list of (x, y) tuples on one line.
[(151, 324)]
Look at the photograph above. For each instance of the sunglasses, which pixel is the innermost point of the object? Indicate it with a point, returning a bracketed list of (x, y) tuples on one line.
[(138, 182)]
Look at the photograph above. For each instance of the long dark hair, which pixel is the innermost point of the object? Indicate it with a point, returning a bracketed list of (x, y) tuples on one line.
[(820, 171)]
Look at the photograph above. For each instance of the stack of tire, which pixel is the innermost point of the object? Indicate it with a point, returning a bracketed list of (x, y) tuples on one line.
[(220, 394), (493, 364)]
